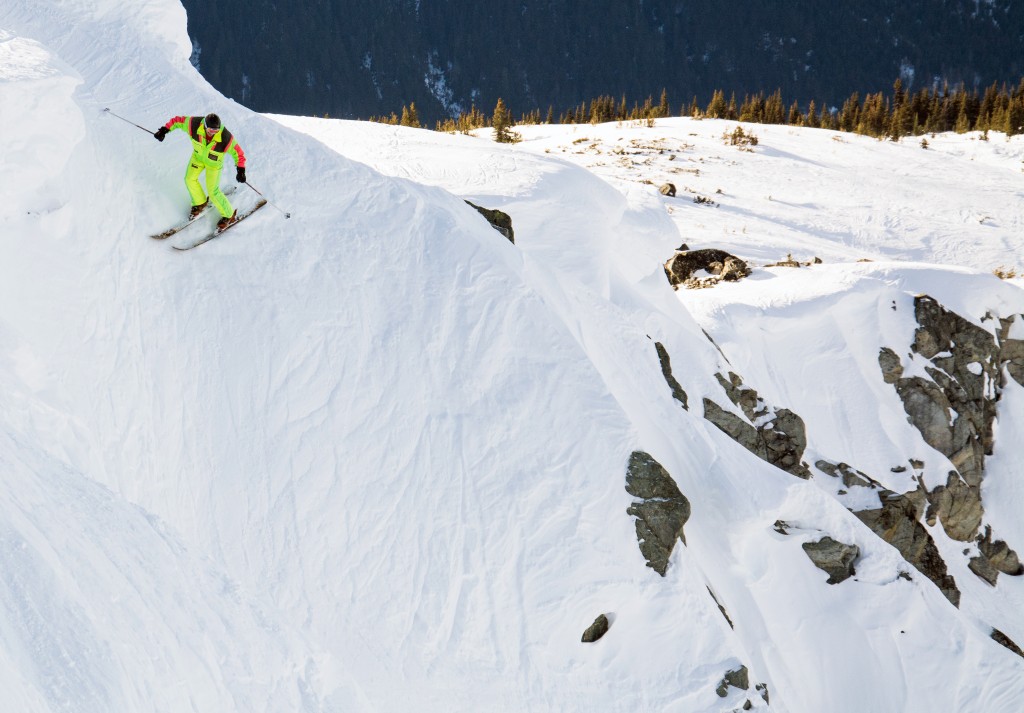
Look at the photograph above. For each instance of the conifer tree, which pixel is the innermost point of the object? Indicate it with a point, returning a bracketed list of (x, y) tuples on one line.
[(717, 108), (963, 121), (988, 105), (812, 115), (827, 119), (732, 112), (502, 123), (663, 110), (795, 118), (409, 116), (849, 116), (1014, 123), (774, 113)]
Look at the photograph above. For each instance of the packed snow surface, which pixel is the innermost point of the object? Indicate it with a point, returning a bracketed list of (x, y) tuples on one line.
[(373, 457)]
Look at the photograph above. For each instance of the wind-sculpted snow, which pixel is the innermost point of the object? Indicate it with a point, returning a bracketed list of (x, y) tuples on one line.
[(374, 457)]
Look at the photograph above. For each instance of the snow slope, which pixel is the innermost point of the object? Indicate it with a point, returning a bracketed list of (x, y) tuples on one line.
[(372, 458)]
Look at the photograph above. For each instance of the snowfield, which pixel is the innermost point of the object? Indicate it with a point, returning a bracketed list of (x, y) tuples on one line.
[(373, 457)]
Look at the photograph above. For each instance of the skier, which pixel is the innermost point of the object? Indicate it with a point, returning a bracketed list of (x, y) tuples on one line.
[(210, 141)]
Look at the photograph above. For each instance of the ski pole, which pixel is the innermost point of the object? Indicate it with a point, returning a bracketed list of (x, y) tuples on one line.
[(286, 215), (129, 122)]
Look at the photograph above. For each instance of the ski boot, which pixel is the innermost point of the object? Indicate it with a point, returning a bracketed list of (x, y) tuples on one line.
[(197, 209), (226, 221)]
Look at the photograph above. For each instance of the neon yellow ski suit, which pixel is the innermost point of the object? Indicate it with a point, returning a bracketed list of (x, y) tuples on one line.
[(207, 155)]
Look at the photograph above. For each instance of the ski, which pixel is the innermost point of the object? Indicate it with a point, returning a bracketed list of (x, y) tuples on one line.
[(218, 233), (188, 221)]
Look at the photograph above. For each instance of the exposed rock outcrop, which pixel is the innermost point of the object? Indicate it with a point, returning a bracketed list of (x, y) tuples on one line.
[(892, 368), (898, 523), (666, 369), (660, 510), (994, 558), (721, 608), (999, 554), (850, 476), (680, 268), (954, 409), (1011, 351), (737, 678), (957, 506), (1005, 640), (790, 262), (833, 557), (596, 630), (500, 221), (777, 436)]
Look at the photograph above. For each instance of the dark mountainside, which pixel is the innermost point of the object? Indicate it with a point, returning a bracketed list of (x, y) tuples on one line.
[(354, 59)]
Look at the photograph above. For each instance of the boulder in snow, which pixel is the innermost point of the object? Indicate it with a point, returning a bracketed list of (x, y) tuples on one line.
[(660, 509), (720, 265), (596, 630), (500, 221), (833, 557)]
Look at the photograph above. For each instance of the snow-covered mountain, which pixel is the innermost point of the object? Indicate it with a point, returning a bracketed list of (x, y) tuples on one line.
[(377, 457)]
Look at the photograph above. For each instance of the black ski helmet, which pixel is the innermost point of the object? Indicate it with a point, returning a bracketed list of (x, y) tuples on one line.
[(212, 122)]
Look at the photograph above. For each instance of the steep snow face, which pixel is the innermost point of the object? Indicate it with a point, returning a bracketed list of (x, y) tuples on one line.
[(373, 457), (806, 339)]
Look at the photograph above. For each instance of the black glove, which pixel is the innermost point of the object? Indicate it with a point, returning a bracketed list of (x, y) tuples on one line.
[(161, 133), (240, 174)]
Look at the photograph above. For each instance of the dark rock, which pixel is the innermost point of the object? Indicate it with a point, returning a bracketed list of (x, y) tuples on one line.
[(999, 554), (780, 440), (958, 507), (1011, 351), (954, 409), (833, 557), (898, 523), (734, 269), (892, 368), (666, 369), (763, 688), (738, 678), (681, 267), (660, 512), (966, 364), (984, 569), (721, 608), (851, 476), (499, 221), (596, 630), (1005, 640)]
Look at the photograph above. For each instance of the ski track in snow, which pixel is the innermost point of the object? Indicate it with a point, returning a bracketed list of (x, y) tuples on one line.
[(372, 458)]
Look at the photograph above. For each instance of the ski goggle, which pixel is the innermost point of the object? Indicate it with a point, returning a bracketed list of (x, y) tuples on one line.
[(210, 131)]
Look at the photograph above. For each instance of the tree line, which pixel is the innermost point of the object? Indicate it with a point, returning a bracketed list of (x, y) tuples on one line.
[(885, 116)]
